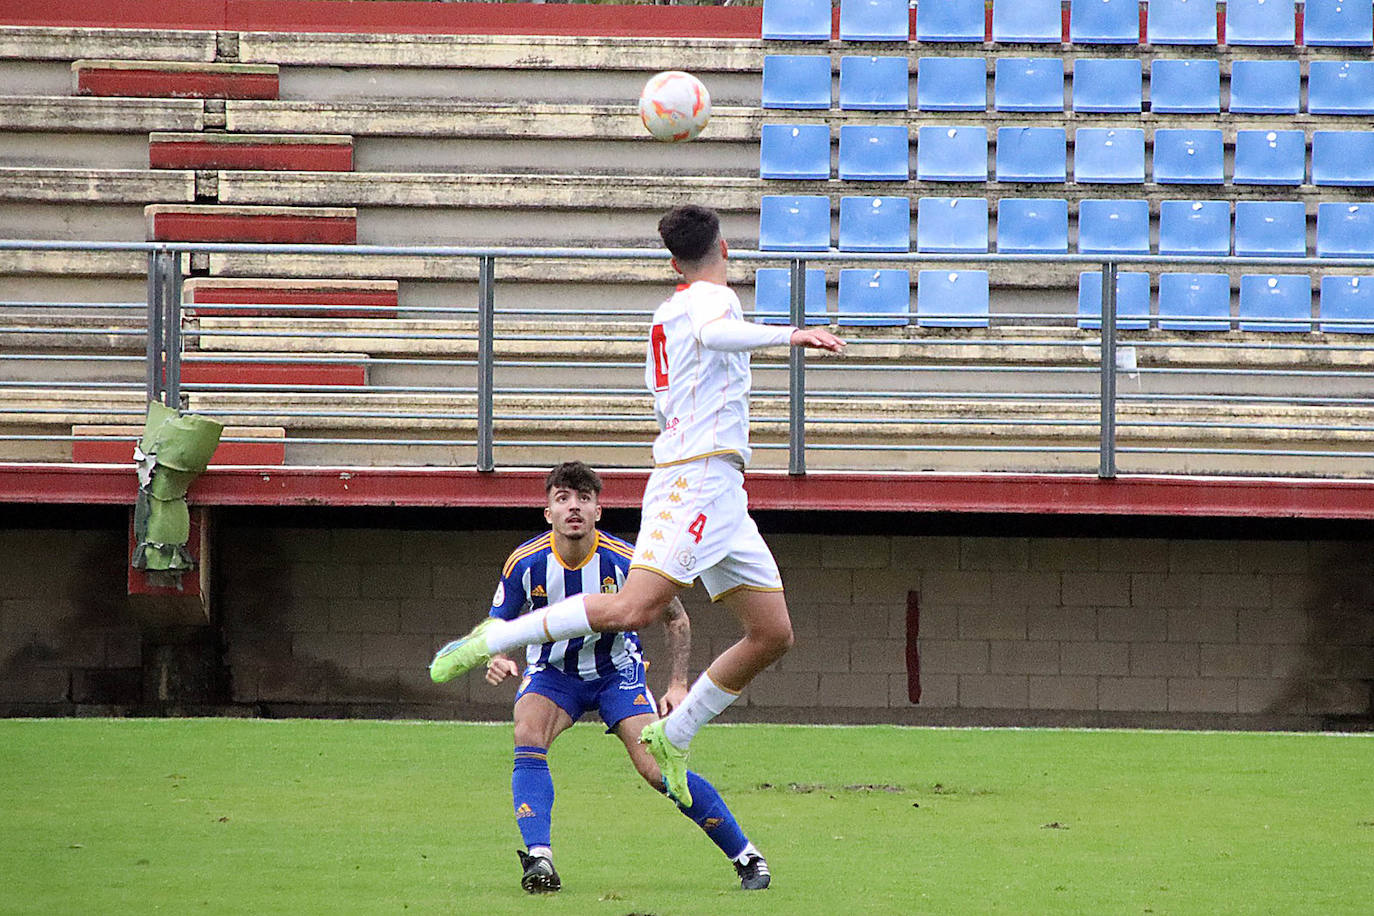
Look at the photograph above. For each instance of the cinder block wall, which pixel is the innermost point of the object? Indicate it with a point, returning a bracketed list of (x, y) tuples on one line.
[(1007, 630)]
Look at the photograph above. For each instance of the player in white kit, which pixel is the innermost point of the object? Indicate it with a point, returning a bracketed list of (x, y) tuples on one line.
[(695, 521)]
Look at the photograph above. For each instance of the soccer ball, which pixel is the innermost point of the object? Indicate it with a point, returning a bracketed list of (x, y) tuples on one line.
[(674, 106)]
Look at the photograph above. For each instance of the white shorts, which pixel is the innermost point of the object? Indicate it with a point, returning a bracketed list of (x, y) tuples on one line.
[(696, 524)]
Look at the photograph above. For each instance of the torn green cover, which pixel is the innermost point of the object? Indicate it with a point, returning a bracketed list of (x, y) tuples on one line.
[(174, 451)]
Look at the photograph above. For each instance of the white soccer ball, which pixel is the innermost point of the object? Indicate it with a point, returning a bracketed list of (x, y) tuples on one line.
[(674, 106)]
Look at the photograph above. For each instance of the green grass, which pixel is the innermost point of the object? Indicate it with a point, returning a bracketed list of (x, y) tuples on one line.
[(245, 816)]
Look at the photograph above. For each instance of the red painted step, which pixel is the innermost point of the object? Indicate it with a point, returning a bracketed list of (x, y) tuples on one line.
[(106, 451), (273, 152), (283, 225), (352, 298), (209, 372), (174, 79)]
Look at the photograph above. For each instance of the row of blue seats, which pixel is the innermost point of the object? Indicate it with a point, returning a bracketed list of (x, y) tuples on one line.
[(1193, 86), (1186, 301), (1101, 155), (960, 225), (1342, 23)]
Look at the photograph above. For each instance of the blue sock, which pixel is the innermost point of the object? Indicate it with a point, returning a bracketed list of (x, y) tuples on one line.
[(711, 814), (531, 785)]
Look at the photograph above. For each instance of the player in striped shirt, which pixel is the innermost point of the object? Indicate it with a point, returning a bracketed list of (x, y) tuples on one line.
[(568, 677)]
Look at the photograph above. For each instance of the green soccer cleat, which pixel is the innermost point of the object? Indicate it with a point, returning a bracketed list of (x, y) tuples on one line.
[(461, 655), (672, 761)]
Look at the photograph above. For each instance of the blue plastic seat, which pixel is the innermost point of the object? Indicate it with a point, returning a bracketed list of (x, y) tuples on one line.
[(874, 20), (1259, 22), (796, 81), (1342, 23), (1185, 86), (874, 297), (1181, 22), (1027, 21), (1188, 156), (1132, 300), (1284, 298), (1342, 87), (951, 20), (875, 224), (952, 84), (875, 152), (1114, 227), (1109, 155), (1195, 227), (1104, 22), (1032, 226), (1032, 154), (875, 83), (773, 295), (1270, 157), (798, 151), (794, 223), (1265, 86), (1347, 304), (952, 299), (952, 225), (952, 154), (797, 20), (1345, 230), (1276, 228), (1028, 84), (1194, 302), (1107, 84), (1343, 157)]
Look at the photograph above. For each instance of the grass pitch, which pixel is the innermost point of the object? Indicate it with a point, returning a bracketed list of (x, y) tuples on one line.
[(246, 816)]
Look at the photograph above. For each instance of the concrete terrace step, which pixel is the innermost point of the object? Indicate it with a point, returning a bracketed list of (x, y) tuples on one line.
[(96, 185), (68, 43), (295, 152), (212, 223), (86, 114), (174, 79), (108, 451), (275, 298)]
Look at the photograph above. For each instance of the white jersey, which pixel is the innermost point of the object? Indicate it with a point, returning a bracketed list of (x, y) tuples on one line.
[(701, 396)]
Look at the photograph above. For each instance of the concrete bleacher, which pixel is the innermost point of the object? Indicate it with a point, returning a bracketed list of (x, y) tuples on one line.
[(472, 139)]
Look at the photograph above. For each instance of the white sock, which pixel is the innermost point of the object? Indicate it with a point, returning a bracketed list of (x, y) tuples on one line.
[(746, 852), (560, 620), (544, 851), (704, 702)]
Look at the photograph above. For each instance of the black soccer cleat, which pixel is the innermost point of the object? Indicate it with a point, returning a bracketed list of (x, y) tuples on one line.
[(753, 873), (539, 877)]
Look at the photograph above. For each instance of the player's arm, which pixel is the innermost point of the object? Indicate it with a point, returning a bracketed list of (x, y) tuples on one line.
[(732, 335), (679, 629)]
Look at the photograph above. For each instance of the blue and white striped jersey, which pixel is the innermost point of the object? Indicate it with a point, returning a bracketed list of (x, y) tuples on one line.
[(535, 576)]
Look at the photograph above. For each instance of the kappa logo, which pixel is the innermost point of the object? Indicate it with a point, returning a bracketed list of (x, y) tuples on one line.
[(539, 592), (674, 498), (641, 700), (680, 483), (649, 555), (608, 586), (665, 516), (523, 811), (656, 535)]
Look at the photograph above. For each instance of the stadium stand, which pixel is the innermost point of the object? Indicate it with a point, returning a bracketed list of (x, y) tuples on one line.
[(796, 81), (1107, 85), (952, 299), (875, 224), (773, 296), (952, 225), (874, 83), (1028, 84), (1185, 86), (1260, 22), (951, 84), (1265, 86)]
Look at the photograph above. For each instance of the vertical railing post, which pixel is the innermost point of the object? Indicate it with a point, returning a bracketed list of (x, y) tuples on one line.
[(796, 375), (1107, 442), (171, 326), (486, 372), (156, 368)]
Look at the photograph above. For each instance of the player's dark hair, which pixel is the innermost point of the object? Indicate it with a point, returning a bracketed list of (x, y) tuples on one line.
[(689, 231), (574, 475)]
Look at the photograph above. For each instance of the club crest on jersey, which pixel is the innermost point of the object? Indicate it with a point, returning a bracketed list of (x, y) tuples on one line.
[(539, 592), (608, 586), (686, 559)]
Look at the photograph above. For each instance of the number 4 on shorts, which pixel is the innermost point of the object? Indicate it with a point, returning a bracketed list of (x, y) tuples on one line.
[(697, 527)]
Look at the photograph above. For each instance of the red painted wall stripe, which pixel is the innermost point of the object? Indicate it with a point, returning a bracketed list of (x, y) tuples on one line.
[(913, 651), (162, 84), (370, 303), (248, 454), (296, 157), (206, 372), (213, 227)]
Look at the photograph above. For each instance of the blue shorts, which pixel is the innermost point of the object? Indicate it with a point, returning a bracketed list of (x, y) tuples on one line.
[(616, 697)]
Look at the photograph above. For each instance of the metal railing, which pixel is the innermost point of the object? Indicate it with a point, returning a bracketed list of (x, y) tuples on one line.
[(165, 358)]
